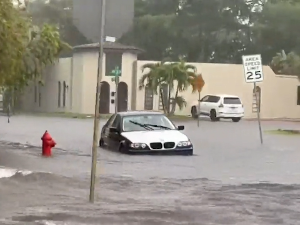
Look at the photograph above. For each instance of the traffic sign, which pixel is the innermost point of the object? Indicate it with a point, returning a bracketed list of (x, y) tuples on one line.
[(198, 83), (253, 69), (116, 72)]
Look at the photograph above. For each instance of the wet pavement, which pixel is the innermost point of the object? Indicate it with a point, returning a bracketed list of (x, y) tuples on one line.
[(231, 179)]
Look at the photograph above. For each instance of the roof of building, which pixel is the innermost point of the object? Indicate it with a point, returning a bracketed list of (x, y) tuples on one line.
[(114, 46)]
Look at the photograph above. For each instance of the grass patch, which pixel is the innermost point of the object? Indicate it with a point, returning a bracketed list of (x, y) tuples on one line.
[(284, 132)]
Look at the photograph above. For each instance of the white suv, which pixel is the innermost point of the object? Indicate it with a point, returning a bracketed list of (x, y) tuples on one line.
[(219, 106)]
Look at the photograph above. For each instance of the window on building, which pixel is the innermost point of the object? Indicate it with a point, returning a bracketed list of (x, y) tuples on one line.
[(40, 99), (298, 95), (64, 93), (40, 94), (59, 94), (35, 94), (112, 60)]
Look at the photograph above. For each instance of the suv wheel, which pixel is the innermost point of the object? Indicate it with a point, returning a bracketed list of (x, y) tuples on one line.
[(236, 119), (213, 115), (194, 112)]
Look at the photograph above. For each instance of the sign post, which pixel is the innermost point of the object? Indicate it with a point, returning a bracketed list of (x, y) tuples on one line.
[(97, 113), (198, 84), (253, 71), (116, 73)]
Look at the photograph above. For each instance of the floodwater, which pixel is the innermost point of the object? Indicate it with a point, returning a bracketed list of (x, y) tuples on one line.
[(231, 179)]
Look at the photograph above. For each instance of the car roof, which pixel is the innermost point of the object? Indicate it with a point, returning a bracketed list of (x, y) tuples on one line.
[(141, 112), (224, 95)]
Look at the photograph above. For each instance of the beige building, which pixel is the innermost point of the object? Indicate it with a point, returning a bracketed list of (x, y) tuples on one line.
[(70, 86)]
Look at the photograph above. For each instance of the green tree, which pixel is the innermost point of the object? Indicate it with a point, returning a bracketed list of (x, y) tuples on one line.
[(60, 14), (199, 30), (277, 29), (286, 64), (177, 76), (218, 31), (25, 50), (154, 34)]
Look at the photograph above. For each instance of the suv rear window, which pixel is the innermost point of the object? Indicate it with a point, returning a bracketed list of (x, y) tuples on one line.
[(232, 101)]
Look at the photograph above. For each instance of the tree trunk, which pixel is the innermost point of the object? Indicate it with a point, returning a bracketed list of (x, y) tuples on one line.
[(174, 102), (162, 100), (169, 99)]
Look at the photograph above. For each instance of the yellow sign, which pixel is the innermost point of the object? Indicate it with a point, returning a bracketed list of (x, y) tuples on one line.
[(198, 83)]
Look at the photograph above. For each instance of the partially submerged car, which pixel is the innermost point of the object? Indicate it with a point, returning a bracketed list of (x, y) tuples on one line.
[(144, 132)]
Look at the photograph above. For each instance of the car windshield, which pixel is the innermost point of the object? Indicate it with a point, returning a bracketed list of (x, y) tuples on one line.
[(147, 122)]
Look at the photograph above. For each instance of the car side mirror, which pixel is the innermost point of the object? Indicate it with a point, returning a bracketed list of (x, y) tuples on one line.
[(113, 130), (180, 128)]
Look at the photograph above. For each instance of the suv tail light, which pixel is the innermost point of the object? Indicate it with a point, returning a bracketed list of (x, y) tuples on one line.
[(221, 105)]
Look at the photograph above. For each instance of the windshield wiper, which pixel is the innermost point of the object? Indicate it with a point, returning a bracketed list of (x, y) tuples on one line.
[(141, 125), (159, 126)]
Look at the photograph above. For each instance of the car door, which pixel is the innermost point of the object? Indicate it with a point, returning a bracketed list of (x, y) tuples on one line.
[(203, 105), (114, 137), (105, 129), (213, 103)]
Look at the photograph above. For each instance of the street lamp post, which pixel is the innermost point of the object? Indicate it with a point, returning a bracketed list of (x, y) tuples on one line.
[(97, 113)]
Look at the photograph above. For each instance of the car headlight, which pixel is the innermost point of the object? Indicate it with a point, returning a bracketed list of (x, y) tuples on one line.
[(138, 145), (184, 144)]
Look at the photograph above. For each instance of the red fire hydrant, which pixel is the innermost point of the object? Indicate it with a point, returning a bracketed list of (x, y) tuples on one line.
[(48, 144)]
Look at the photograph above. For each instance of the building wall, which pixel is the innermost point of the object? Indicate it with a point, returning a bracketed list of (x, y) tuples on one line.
[(90, 78), (119, 17), (44, 98), (278, 93)]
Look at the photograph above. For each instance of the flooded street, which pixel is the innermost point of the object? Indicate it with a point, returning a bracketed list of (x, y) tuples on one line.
[(231, 179)]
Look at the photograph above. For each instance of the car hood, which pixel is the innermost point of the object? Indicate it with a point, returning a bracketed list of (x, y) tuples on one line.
[(155, 136)]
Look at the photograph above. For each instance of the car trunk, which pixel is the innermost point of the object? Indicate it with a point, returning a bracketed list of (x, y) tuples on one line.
[(232, 105)]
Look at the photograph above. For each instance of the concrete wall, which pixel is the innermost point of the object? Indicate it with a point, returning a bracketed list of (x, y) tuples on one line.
[(90, 78), (278, 93), (119, 17), (44, 98)]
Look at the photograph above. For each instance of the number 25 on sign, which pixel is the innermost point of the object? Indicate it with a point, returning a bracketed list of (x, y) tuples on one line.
[(253, 68)]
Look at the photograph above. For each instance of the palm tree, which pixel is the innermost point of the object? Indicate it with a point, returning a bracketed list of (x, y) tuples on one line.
[(153, 79), (286, 64), (178, 76), (182, 74)]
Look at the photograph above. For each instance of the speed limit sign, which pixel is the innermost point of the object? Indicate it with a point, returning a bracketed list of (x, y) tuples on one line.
[(253, 68)]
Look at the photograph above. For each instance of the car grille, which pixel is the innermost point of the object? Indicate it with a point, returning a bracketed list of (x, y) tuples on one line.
[(156, 145), (169, 145)]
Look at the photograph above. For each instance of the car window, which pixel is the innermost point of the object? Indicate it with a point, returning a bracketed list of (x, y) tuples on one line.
[(135, 122), (116, 121), (110, 119), (205, 98), (213, 99), (232, 101)]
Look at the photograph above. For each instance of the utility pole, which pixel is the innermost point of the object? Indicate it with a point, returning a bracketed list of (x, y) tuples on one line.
[(97, 113)]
